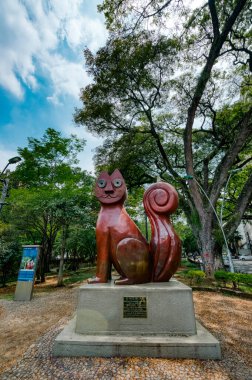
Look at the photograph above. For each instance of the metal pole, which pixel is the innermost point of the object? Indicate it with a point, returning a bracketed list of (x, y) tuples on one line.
[(5, 168), (4, 192), (223, 199)]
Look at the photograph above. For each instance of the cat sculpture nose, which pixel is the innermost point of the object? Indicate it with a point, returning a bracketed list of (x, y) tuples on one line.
[(109, 188)]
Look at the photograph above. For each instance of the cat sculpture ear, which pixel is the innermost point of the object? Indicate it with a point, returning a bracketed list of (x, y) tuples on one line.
[(110, 189)]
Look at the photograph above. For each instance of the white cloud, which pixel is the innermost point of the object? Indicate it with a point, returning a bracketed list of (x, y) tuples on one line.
[(16, 53), (67, 77), (31, 36), (84, 31)]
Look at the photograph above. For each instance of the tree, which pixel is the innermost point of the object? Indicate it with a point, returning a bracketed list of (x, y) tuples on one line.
[(173, 89), (47, 187), (48, 161), (10, 253), (81, 243), (73, 208)]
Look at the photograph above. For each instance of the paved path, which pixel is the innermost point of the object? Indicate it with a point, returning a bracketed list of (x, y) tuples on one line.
[(38, 363)]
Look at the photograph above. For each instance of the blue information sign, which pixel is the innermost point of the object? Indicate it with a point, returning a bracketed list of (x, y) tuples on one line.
[(28, 264)]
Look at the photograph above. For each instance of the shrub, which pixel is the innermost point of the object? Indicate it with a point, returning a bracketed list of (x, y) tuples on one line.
[(196, 276), (234, 278), (245, 278), (221, 276)]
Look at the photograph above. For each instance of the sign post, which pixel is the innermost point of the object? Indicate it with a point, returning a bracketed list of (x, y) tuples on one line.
[(26, 274)]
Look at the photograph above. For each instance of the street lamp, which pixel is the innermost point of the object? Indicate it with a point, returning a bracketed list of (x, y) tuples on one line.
[(11, 161), (5, 181), (231, 265)]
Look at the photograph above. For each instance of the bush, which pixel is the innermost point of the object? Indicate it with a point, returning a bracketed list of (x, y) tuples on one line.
[(188, 264), (245, 278), (196, 276), (221, 276), (234, 278), (10, 255)]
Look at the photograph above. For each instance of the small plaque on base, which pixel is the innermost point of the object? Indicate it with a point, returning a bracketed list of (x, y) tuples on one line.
[(134, 307)]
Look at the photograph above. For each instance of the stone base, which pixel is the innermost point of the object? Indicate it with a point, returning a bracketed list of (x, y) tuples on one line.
[(147, 320), (200, 346), (146, 309)]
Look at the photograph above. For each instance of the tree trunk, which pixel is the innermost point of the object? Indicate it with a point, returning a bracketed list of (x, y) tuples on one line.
[(62, 254), (4, 277), (206, 241), (219, 263), (42, 262), (75, 257)]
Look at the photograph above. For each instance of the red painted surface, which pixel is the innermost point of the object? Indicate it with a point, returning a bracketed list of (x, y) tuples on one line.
[(161, 200), (120, 242)]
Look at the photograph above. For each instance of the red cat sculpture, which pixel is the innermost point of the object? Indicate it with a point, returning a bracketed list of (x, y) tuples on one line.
[(119, 241)]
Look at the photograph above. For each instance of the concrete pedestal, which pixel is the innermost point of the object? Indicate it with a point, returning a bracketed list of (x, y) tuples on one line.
[(147, 320)]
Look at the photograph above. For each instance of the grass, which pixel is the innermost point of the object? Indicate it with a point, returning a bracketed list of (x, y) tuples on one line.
[(7, 297), (79, 276), (70, 278)]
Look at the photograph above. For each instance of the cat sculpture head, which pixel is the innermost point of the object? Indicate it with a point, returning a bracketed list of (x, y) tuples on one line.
[(110, 189)]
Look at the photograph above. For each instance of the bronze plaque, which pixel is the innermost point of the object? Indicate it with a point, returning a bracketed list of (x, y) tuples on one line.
[(134, 307)]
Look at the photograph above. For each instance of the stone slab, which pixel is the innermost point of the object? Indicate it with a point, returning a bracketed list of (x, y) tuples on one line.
[(108, 309), (24, 290), (199, 346)]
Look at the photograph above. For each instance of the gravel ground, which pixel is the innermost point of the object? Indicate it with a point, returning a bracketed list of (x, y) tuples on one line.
[(228, 318)]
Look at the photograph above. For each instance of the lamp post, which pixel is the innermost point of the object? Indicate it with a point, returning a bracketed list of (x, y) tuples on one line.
[(231, 265), (5, 181), (11, 161)]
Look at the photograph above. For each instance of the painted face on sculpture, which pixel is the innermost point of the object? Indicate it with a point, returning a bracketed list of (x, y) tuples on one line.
[(110, 188)]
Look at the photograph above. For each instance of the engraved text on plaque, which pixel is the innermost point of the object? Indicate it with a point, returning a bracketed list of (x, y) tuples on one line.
[(134, 307)]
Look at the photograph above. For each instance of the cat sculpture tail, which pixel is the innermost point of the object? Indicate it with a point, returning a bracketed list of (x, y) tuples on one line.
[(161, 200)]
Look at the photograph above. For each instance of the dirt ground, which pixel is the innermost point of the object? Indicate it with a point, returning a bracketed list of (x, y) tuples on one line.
[(21, 323), (227, 317)]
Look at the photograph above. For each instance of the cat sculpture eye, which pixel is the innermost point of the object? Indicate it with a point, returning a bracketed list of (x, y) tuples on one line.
[(101, 183), (117, 182)]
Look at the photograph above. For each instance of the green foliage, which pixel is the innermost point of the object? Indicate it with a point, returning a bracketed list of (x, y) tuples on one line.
[(10, 254), (50, 193), (234, 278), (221, 276), (136, 164), (245, 278), (189, 242), (80, 243), (48, 161), (196, 276), (125, 71), (79, 276), (188, 264)]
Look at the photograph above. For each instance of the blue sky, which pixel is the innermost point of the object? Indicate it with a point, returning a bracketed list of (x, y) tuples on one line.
[(42, 69)]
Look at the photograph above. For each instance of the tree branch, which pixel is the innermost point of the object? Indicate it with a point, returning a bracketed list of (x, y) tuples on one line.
[(199, 90), (244, 132), (214, 17)]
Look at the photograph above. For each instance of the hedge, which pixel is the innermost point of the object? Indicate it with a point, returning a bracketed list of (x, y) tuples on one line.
[(196, 275), (234, 278)]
